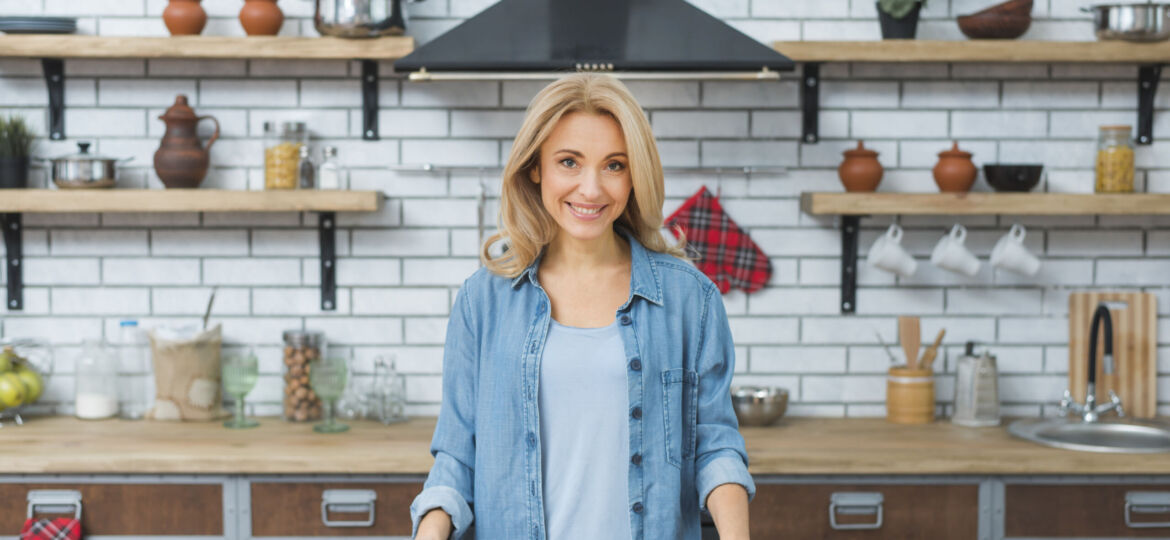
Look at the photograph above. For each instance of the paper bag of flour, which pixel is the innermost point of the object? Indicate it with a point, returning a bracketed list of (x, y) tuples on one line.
[(186, 375)]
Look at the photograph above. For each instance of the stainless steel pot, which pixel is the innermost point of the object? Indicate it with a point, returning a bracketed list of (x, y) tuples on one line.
[(1131, 22), (360, 18), (84, 170)]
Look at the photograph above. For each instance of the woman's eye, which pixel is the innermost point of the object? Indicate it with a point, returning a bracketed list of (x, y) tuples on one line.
[(616, 166), (568, 162)]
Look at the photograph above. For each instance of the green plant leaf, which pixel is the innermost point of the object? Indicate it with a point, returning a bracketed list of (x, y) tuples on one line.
[(898, 8)]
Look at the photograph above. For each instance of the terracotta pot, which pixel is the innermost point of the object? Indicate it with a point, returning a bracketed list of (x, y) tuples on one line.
[(185, 17), (861, 170), (261, 17), (181, 160), (955, 172)]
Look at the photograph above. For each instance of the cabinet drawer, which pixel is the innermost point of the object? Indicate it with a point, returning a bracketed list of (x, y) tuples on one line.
[(1082, 511), (127, 509), (908, 512), (295, 509)]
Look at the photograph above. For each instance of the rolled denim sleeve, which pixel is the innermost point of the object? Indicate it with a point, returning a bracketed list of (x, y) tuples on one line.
[(721, 456), (450, 483)]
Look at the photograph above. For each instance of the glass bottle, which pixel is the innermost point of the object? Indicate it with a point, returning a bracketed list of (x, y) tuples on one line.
[(282, 150), (1115, 160), (306, 170), (301, 348), (329, 171), (389, 392), (96, 390), (134, 373)]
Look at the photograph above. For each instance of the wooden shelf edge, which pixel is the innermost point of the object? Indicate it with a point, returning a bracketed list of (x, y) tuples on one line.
[(935, 204), (215, 47), (998, 51), (185, 200)]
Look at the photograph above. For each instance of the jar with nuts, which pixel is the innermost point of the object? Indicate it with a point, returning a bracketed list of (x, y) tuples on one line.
[(301, 348)]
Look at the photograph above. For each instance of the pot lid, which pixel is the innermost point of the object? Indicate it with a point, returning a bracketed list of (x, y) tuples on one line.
[(82, 154), (955, 152), (179, 111), (860, 151)]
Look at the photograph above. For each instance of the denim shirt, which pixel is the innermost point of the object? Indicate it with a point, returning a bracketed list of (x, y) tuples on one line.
[(684, 437)]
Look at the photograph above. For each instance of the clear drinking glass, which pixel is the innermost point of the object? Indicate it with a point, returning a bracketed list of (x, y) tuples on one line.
[(327, 376), (240, 372)]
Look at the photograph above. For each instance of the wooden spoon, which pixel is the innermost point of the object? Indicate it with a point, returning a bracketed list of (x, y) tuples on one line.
[(927, 361), (910, 335)]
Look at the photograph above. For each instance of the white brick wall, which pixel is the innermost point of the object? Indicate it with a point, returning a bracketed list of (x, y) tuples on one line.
[(399, 268)]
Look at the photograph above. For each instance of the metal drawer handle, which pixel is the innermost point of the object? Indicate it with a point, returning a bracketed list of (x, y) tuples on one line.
[(855, 504), (54, 501), (349, 501), (1146, 502)]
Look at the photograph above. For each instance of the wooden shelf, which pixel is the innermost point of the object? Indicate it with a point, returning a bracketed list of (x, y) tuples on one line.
[(999, 51), (266, 47), (940, 204), (30, 201)]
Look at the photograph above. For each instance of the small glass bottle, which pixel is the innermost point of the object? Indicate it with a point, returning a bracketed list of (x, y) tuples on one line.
[(389, 392), (329, 171), (282, 150), (96, 390), (1115, 160), (301, 347), (134, 373), (306, 170)]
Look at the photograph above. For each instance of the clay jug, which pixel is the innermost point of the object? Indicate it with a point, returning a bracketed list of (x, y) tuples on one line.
[(181, 161), (261, 17), (185, 17), (861, 170), (955, 172)]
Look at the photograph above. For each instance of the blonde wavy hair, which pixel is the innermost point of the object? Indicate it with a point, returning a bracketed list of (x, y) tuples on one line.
[(524, 223)]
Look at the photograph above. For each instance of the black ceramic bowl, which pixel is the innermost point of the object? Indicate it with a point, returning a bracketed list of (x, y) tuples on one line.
[(1004, 177)]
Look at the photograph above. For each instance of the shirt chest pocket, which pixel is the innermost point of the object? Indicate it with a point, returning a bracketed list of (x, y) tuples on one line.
[(680, 389)]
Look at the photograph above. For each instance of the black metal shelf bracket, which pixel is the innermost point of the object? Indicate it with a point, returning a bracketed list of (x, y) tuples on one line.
[(850, 229), (54, 69), (13, 255), (369, 100), (327, 231), (1148, 77), (810, 102)]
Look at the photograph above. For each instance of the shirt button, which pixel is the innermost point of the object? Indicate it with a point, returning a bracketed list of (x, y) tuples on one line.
[(540, 309), (531, 440), (636, 459), (637, 413), (626, 320), (636, 364), (637, 508)]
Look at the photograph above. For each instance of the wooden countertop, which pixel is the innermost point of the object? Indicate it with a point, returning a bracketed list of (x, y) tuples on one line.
[(795, 446)]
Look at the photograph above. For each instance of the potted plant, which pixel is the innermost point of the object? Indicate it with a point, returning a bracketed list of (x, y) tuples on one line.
[(16, 141), (899, 18)]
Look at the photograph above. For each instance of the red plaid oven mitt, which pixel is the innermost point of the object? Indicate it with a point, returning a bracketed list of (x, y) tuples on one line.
[(51, 529), (724, 251)]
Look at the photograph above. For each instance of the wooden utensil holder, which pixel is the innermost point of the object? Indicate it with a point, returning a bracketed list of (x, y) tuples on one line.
[(910, 396)]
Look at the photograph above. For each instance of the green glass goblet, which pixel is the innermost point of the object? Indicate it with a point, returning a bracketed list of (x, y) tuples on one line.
[(327, 376), (240, 373)]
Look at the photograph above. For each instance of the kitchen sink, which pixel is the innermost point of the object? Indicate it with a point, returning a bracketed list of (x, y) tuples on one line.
[(1119, 435)]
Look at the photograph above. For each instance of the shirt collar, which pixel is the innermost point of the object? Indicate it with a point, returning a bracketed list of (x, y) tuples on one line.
[(643, 274)]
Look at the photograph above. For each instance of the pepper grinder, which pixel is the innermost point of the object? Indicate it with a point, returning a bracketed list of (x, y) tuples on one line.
[(977, 389)]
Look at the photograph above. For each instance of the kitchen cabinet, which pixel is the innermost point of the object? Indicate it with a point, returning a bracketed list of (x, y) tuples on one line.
[(284, 509), (1087, 510)]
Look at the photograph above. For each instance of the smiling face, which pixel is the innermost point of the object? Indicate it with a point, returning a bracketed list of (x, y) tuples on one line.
[(584, 175)]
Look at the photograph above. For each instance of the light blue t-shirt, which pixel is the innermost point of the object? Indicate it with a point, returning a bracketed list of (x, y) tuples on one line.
[(584, 433)]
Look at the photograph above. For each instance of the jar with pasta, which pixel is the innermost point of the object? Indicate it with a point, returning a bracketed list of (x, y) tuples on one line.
[(1114, 160), (282, 153), (301, 348)]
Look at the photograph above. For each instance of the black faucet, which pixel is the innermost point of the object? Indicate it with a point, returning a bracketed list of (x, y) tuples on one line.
[(1090, 411)]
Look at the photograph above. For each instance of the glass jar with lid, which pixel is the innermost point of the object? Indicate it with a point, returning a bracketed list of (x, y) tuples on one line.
[(301, 347), (96, 390), (1115, 160), (282, 153)]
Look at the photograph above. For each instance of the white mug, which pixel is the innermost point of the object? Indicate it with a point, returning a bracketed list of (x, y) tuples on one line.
[(1009, 253), (951, 254), (888, 254)]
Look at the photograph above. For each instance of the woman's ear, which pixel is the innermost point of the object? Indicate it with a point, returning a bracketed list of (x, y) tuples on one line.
[(534, 174)]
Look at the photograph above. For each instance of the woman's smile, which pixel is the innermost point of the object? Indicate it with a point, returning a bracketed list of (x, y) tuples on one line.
[(585, 212)]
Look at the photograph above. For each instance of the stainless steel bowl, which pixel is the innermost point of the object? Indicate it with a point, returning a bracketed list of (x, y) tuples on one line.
[(1131, 22), (758, 405), (360, 18)]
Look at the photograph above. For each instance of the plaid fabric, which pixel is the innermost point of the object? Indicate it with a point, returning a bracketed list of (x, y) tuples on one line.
[(51, 529), (724, 251)]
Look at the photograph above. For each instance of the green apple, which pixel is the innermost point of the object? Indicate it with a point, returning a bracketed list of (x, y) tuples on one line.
[(33, 383), (12, 390), (8, 358)]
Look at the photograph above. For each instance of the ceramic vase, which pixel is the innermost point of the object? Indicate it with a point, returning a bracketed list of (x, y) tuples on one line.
[(261, 17), (955, 172), (181, 160), (861, 170), (184, 17)]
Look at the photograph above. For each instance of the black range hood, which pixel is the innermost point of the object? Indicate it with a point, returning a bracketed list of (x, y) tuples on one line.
[(532, 36)]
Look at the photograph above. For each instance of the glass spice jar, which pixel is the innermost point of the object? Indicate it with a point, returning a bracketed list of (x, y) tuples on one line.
[(1114, 160), (301, 347), (96, 383), (282, 151)]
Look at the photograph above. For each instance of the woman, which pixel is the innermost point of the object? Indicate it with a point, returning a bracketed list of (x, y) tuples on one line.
[(586, 370)]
